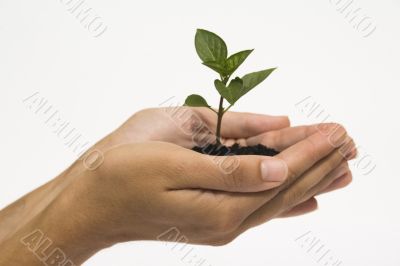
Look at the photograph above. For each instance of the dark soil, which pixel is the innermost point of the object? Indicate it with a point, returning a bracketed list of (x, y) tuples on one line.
[(222, 150)]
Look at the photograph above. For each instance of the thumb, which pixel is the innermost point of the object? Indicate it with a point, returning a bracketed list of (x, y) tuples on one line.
[(247, 173)]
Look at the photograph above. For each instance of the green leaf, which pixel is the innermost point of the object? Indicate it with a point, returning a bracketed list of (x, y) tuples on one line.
[(216, 66), (235, 60), (253, 79), (223, 90), (195, 100), (233, 92), (210, 47), (239, 87)]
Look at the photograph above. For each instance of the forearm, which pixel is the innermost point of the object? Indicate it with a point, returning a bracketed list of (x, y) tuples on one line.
[(57, 228), (19, 213), (50, 210), (22, 211), (28, 244)]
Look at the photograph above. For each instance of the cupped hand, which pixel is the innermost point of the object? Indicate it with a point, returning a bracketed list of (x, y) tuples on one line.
[(188, 127)]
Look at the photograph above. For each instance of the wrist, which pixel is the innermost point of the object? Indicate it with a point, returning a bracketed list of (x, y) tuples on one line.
[(70, 223), (53, 216), (64, 231)]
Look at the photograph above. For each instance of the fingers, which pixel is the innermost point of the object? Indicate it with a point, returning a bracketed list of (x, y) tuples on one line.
[(303, 155), (340, 171), (309, 205), (231, 173), (338, 178), (243, 125), (286, 137), (339, 183), (283, 138), (298, 158), (294, 194), (301, 209), (298, 192)]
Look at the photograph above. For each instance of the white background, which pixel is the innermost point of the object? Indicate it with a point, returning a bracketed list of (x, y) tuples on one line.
[(147, 55)]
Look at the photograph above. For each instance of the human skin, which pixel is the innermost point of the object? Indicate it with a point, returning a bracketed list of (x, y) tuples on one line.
[(150, 182)]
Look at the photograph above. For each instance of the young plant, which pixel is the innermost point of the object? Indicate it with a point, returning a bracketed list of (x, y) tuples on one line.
[(213, 51)]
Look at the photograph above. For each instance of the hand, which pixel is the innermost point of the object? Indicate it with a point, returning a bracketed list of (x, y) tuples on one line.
[(184, 126), (143, 189), (64, 208)]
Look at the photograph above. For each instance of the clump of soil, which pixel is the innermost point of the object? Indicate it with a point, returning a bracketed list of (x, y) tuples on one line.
[(236, 149)]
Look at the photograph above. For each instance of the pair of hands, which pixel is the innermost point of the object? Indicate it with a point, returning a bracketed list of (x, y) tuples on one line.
[(150, 184), (150, 181)]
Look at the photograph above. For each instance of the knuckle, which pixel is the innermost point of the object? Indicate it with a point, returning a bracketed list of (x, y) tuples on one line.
[(234, 179), (246, 123), (275, 138), (291, 197), (327, 129), (337, 135), (339, 127), (335, 126), (312, 149), (179, 168), (229, 164), (291, 174), (332, 163), (347, 147), (174, 170), (226, 221)]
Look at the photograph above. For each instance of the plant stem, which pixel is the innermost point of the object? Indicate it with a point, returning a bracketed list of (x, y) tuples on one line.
[(219, 120), (221, 111)]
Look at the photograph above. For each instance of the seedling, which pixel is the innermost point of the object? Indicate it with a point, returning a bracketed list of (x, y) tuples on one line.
[(213, 51)]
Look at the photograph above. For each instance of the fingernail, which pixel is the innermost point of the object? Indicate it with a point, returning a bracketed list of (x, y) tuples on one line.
[(352, 154), (324, 128), (274, 170), (338, 137), (340, 171), (347, 150)]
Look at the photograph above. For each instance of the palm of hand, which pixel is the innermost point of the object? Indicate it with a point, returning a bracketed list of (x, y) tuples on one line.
[(188, 127)]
